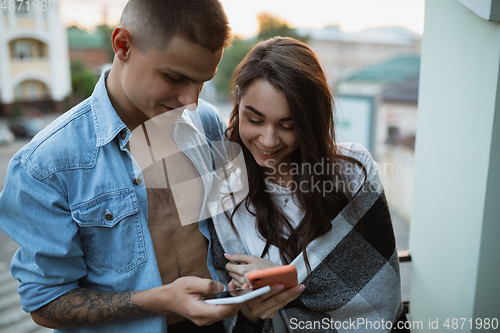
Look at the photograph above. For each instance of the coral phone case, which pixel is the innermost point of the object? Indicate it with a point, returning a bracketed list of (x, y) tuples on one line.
[(285, 275)]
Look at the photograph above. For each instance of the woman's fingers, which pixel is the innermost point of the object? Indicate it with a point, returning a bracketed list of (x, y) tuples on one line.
[(241, 270), (274, 290), (238, 269), (241, 257), (233, 285), (269, 304), (272, 305), (238, 279)]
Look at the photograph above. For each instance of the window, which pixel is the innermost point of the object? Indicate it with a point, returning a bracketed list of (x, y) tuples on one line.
[(23, 9), (19, 92), (22, 49), (392, 134), (32, 90)]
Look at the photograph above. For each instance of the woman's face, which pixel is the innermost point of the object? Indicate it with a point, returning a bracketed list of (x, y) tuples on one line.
[(266, 125)]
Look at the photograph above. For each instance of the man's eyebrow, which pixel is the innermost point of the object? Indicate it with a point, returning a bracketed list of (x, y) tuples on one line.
[(251, 108), (184, 76)]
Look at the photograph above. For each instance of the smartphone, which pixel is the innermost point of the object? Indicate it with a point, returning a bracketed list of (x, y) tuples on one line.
[(237, 296), (285, 275)]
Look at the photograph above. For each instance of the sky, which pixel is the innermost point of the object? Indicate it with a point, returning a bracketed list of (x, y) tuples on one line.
[(351, 15)]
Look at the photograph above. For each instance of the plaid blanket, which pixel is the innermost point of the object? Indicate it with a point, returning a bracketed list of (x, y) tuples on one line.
[(354, 284)]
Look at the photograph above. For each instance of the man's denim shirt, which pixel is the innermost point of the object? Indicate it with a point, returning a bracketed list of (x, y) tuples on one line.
[(71, 203)]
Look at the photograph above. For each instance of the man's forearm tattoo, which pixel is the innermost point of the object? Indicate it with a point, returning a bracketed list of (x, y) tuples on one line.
[(86, 307)]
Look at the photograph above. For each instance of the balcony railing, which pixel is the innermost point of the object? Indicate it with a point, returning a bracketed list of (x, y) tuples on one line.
[(33, 64)]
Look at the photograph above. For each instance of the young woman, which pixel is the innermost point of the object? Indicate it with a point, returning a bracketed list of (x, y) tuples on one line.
[(312, 202)]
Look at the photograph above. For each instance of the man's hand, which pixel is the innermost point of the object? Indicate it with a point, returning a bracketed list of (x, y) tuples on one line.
[(183, 296), (239, 272), (91, 308)]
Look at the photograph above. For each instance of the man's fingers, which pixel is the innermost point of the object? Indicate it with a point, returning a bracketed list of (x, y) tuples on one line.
[(195, 285), (208, 314), (214, 287)]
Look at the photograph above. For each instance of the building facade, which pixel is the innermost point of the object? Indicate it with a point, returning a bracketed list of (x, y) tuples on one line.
[(343, 53), (384, 99), (34, 62)]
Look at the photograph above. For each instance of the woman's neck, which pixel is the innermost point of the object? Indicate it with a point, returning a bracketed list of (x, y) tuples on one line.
[(283, 179)]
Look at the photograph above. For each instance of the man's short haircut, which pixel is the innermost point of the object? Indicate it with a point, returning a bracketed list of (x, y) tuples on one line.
[(153, 23)]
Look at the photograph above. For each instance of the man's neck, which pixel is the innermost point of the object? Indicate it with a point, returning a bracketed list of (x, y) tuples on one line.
[(128, 113)]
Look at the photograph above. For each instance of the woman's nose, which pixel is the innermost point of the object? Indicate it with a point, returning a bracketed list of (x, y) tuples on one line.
[(269, 139)]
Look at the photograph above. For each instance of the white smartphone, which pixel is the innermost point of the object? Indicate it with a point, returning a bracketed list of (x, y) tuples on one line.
[(227, 298)]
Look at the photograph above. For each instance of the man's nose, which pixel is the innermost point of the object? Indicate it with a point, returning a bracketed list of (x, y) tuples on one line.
[(188, 97)]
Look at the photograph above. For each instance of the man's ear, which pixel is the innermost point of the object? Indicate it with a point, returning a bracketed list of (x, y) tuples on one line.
[(121, 40)]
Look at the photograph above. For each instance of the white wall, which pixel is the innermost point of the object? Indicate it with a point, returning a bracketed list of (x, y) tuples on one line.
[(52, 33), (455, 217), (396, 174)]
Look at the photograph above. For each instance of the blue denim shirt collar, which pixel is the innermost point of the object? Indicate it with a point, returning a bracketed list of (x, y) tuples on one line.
[(106, 121)]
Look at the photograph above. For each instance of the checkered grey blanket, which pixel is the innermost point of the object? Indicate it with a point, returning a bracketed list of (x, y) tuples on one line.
[(354, 284)]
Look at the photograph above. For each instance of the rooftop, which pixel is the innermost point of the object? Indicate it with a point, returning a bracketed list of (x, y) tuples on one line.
[(80, 39), (382, 35), (392, 70)]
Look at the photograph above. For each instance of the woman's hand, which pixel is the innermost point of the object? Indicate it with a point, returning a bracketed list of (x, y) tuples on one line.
[(251, 263), (268, 305)]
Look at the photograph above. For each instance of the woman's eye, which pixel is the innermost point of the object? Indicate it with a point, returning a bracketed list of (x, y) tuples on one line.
[(288, 128), (253, 121)]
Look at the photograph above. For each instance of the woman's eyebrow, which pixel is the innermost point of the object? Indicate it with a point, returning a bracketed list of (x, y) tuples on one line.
[(251, 108)]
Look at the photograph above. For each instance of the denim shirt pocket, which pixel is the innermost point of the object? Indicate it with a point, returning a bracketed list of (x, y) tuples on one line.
[(110, 231)]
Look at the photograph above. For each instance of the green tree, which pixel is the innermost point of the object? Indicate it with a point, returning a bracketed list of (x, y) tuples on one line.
[(17, 112), (269, 26), (232, 57), (106, 31), (83, 81)]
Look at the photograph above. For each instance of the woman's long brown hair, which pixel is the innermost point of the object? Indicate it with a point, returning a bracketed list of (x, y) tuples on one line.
[(291, 66)]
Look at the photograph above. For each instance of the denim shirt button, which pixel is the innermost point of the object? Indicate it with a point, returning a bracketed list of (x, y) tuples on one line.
[(136, 181), (108, 216), (123, 134)]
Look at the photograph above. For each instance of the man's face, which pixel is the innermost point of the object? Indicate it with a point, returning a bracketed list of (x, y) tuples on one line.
[(160, 81)]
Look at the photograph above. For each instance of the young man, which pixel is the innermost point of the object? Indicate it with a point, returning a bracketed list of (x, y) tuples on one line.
[(90, 258)]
